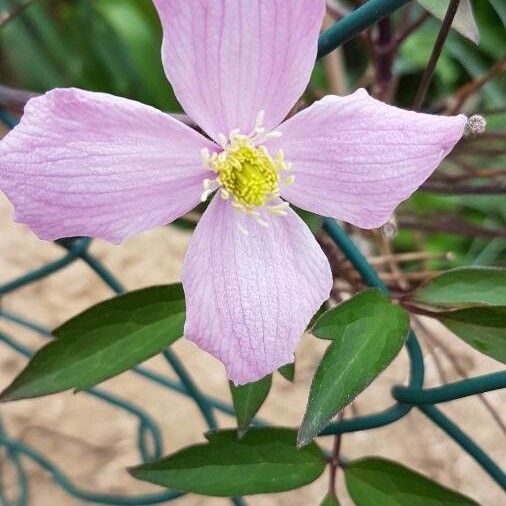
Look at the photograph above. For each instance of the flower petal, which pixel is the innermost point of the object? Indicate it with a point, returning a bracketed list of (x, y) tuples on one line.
[(250, 297), (355, 158), (82, 163), (229, 59)]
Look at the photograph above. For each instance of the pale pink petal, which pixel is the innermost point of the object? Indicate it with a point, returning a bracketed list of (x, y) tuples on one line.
[(229, 59), (250, 297), (355, 158), (82, 163)]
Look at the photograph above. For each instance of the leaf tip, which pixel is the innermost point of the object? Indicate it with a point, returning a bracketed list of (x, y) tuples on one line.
[(303, 439), (241, 431), (9, 395), (4, 397), (134, 471), (308, 430)]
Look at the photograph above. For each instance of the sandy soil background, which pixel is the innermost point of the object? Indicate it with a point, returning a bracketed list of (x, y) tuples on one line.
[(93, 443)]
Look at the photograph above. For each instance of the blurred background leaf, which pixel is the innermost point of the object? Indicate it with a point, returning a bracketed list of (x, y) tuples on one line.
[(101, 45)]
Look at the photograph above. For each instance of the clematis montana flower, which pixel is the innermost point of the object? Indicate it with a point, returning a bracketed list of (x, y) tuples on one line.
[(82, 163)]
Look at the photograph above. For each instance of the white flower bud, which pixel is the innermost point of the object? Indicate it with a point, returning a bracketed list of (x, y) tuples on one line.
[(476, 125)]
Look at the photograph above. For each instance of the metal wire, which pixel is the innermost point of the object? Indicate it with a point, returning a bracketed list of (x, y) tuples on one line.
[(149, 440)]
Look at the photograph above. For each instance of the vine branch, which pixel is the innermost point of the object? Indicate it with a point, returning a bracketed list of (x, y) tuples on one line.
[(436, 53)]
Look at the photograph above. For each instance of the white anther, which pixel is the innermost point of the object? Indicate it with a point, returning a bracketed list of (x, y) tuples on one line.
[(242, 229), (236, 132), (289, 180), (206, 157), (209, 186), (225, 195), (273, 135), (276, 212), (223, 141), (279, 209), (260, 221), (259, 123), (281, 205), (205, 194)]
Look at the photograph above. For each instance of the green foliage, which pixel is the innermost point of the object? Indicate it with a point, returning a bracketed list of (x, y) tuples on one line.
[(480, 293), (379, 482), (460, 61), (103, 341), (367, 332), (464, 287), (103, 45), (288, 371), (313, 221), (367, 303), (264, 460), (248, 399), (484, 328), (330, 500)]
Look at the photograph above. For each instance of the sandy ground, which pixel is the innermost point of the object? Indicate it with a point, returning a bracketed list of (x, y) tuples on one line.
[(94, 443)]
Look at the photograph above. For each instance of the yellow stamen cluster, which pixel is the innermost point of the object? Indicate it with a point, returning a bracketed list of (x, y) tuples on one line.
[(248, 173)]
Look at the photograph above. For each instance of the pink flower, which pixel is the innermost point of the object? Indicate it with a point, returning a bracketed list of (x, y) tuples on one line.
[(82, 163)]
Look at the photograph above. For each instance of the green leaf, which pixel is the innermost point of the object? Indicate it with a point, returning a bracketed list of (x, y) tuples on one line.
[(248, 399), (288, 371), (330, 500), (264, 461), (367, 303), (484, 328), (464, 287), (140, 30), (499, 8), (367, 332), (463, 22), (103, 341), (379, 482), (313, 221)]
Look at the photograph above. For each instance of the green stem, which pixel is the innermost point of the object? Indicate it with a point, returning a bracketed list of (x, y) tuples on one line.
[(78, 247), (19, 448), (451, 391), (354, 23), (465, 442)]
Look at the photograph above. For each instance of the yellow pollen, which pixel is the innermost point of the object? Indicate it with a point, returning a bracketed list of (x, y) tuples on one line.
[(248, 173)]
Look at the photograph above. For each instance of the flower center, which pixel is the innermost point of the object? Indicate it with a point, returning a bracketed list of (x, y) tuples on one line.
[(247, 174)]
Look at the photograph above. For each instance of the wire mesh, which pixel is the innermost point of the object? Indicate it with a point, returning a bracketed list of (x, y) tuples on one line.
[(149, 440)]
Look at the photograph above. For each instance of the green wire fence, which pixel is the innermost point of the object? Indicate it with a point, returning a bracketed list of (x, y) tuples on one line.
[(149, 440)]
